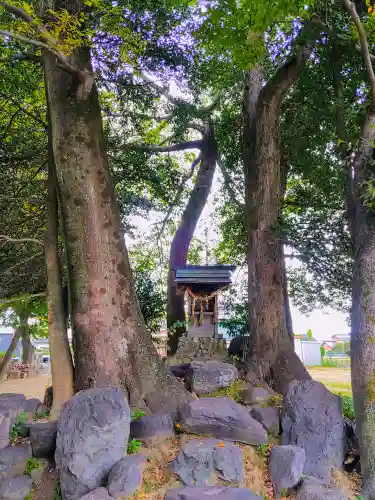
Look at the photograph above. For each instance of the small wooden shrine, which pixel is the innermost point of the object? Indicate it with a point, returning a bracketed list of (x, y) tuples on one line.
[(202, 285)]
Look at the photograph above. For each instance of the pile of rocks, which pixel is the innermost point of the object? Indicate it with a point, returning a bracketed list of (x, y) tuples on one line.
[(90, 440)]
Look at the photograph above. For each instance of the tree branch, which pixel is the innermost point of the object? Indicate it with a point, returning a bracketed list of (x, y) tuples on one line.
[(85, 77), (350, 7), (20, 240), (168, 149), (23, 297), (22, 262)]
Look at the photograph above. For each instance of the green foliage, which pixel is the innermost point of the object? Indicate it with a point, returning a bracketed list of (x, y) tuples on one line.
[(14, 431), (262, 450), (342, 348), (151, 299), (237, 324), (347, 407), (133, 446), (322, 351), (57, 492), (309, 335), (32, 464), (233, 391), (137, 414)]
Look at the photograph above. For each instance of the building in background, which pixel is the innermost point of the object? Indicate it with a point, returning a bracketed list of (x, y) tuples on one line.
[(6, 336)]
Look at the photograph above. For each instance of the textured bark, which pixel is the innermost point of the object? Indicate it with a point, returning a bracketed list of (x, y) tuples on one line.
[(112, 344), (362, 348), (8, 355), (184, 234), (27, 347), (61, 358), (270, 341)]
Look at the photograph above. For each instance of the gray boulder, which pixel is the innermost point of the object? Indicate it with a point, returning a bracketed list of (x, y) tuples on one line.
[(158, 402), (255, 395), (92, 436), (43, 438), (32, 405), (206, 377), (222, 418), (285, 467), (11, 405), (16, 488), (311, 489), (126, 476), (12, 395), (152, 426), (199, 459), (179, 371), (13, 461), (312, 419), (98, 494), (211, 492), (269, 417)]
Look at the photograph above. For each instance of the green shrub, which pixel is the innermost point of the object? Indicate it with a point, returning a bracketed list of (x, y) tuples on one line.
[(32, 464), (133, 446), (347, 407), (137, 414)]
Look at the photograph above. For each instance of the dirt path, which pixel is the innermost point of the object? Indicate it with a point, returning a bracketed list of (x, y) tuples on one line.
[(32, 388)]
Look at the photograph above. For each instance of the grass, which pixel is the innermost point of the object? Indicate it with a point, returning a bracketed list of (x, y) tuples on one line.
[(133, 446), (233, 391), (32, 464)]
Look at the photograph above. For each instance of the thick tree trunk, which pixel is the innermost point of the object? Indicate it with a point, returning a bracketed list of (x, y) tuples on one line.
[(272, 358), (8, 355), (112, 344), (27, 347), (184, 234), (362, 349), (61, 359)]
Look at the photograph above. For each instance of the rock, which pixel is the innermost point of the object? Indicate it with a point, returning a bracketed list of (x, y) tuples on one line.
[(152, 426), (98, 494), (222, 418), (311, 489), (158, 402), (269, 417), (16, 488), (179, 371), (42, 411), (211, 492), (36, 475), (43, 438), (23, 428), (11, 405), (255, 395), (13, 461), (206, 377), (126, 476), (12, 395), (285, 467), (92, 436), (199, 459), (236, 345), (32, 405), (312, 419)]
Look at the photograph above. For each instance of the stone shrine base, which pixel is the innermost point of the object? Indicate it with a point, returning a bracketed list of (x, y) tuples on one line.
[(198, 347)]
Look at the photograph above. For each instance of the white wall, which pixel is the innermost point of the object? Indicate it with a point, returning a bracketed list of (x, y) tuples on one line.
[(308, 351)]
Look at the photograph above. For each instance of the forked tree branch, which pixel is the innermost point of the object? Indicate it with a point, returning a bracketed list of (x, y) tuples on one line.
[(3, 237), (23, 297), (350, 7), (183, 146)]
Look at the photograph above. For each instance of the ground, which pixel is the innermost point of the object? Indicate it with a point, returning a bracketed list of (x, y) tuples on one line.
[(32, 388), (337, 380)]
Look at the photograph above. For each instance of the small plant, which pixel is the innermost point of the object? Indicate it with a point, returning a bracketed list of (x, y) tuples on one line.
[(58, 495), (31, 495), (262, 450), (347, 407), (133, 446), (32, 464), (148, 487), (137, 414), (15, 430)]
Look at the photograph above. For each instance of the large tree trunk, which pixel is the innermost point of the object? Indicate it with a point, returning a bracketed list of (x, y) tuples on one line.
[(184, 234), (61, 358), (362, 349), (272, 358), (27, 347), (112, 344), (8, 355)]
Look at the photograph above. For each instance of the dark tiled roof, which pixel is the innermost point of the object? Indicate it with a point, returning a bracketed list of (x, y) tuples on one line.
[(219, 274)]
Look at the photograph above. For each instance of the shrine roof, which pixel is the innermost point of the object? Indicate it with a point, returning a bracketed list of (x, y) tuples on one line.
[(215, 274)]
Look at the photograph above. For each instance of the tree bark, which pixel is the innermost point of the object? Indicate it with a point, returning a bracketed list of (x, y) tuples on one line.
[(61, 358), (362, 349), (8, 355), (112, 344), (184, 234), (271, 358), (27, 347)]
